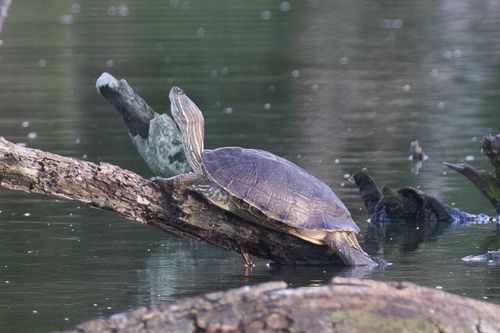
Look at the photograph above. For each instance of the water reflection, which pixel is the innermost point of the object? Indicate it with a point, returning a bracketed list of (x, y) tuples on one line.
[(332, 86)]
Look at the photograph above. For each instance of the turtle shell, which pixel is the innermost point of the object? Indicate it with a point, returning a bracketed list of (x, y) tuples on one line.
[(278, 188)]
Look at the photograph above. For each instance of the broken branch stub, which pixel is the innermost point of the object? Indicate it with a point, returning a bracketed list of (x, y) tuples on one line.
[(155, 136), (487, 183)]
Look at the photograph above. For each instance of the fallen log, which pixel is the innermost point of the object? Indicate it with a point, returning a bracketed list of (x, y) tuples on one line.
[(157, 137), (178, 212), (347, 305)]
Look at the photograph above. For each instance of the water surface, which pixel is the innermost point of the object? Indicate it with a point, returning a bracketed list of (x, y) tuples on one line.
[(332, 86)]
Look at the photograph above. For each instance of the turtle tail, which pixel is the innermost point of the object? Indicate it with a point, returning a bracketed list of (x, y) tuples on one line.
[(345, 244)]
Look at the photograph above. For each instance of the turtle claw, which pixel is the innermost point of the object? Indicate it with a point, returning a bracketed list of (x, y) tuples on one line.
[(161, 183)]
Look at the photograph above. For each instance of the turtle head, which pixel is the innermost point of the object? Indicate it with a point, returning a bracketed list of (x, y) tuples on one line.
[(191, 122)]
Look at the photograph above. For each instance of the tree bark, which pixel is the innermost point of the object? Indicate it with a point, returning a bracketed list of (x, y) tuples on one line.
[(347, 305), (178, 212)]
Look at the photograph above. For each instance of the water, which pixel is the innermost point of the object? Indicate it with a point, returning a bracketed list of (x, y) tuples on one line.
[(332, 86)]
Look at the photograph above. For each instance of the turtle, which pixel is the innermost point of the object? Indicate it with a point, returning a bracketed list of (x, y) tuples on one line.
[(263, 188)]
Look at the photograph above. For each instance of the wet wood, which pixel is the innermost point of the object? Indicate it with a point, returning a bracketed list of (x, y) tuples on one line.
[(178, 212), (155, 135), (347, 305), (488, 183), (408, 204)]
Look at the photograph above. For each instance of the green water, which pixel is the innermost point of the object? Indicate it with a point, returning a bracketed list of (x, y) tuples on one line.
[(332, 86)]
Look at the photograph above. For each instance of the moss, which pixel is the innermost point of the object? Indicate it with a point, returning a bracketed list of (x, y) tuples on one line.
[(365, 321)]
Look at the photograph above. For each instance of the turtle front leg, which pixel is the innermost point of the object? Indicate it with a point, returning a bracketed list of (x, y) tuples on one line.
[(183, 181)]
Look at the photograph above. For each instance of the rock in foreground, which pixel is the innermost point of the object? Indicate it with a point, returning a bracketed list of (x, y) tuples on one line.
[(347, 305)]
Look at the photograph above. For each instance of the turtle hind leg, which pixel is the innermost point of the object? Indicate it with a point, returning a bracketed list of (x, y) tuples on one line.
[(345, 244), (248, 258)]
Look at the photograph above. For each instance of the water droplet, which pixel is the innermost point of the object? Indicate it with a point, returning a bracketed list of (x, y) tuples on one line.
[(284, 6), (213, 74), (109, 63), (112, 11), (108, 307), (469, 158), (42, 63), (77, 140), (347, 175), (224, 71), (7, 281), (272, 88), (66, 19), (266, 15), (200, 32), (95, 304), (434, 73), (25, 124), (440, 105), (407, 87), (448, 54), (267, 106), (66, 319), (173, 3), (392, 24), (228, 110), (314, 87), (439, 287), (35, 311), (344, 61), (76, 8), (123, 10), (337, 161), (84, 156), (457, 53), (295, 73), (27, 214), (32, 135)]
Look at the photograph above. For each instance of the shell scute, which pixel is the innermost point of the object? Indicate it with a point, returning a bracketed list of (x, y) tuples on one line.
[(278, 188)]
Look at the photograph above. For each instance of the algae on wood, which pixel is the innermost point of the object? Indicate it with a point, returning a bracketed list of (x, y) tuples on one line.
[(407, 216), (155, 136), (487, 183)]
